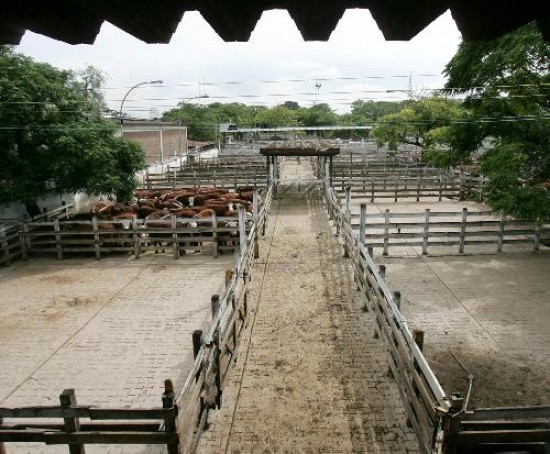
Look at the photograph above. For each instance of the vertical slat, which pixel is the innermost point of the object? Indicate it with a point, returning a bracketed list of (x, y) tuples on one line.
[(463, 229), (5, 247), (362, 223), (136, 239), (58, 244), (538, 228), (175, 247), (168, 401), (386, 231), (215, 245), (242, 229), (67, 400), (500, 233), (426, 236), (2, 446), (95, 228)]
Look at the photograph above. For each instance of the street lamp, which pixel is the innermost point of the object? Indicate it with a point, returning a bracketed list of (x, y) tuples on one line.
[(150, 82)]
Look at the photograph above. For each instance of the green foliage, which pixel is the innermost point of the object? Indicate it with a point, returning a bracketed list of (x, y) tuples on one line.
[(317, 115), (424, 123), (505, 82), (54, 136)]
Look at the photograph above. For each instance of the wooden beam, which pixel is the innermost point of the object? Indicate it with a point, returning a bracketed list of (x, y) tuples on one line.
[(299, 151)]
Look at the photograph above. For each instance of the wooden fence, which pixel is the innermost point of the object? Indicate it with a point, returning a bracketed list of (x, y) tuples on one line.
[(80, 425), (499, 430), (215, 350), (182, 418), (10, 237), (174, 236), (462, 230), (422, 186), (422, 395), (222, 174), (442, 422)]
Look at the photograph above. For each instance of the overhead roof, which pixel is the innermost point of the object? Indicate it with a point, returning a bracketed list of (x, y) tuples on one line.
[(79, 21)]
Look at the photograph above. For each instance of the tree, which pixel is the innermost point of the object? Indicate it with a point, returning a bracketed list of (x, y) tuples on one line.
[(277, 116), (422, 123), (505, 84), (53, 136)]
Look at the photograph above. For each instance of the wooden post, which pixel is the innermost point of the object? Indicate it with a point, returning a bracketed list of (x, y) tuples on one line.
[(58, 244), (228, 276), (97, 247), (330, 169), (500, 234), (418, 337), (425, 239), (175, 247), (169, 401), (362, 223), (25, 243), (197, 342), (136, 239), (4, 245), (397, 299), (347, 219), (481, 183), (440, 187), (256, 218), (463, 229), (418, 188), (382, 271), (538, 228), (242, 229), (215, 305), (2, 446), (215, 245), (461, 190), (68, 399), (396, 186), (386, 231), (268, 171), (372, 189)]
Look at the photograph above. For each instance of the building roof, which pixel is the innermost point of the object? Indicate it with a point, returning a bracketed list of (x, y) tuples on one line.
[(79, 21)]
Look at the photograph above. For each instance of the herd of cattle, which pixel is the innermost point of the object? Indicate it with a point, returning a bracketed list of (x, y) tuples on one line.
[(186, 217)]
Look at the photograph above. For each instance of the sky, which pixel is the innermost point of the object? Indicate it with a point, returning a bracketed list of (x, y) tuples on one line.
[(274, 66)]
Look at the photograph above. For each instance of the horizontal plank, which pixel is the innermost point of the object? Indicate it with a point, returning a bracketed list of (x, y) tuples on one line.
[(85, 412), (130, 437), (509, 413), (500, 436)]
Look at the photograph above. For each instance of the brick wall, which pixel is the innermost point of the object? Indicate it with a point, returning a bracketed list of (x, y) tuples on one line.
[(149, 134)]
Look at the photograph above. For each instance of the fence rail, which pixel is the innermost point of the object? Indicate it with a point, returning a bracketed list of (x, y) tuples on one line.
[(100, 237), (225, 173), (33, 424), (448, 228), (418, 187)]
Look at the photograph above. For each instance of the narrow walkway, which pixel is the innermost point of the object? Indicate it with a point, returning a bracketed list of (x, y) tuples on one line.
[(310, 377)]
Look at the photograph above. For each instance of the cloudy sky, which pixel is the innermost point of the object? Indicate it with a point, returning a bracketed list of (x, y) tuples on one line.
[(274, 66)]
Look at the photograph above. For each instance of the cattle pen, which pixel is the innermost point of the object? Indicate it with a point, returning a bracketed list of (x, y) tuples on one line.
[(332, 358)]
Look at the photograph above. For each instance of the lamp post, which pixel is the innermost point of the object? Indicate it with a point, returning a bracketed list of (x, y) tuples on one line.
[(150, 82)]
